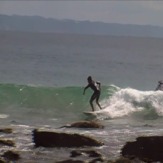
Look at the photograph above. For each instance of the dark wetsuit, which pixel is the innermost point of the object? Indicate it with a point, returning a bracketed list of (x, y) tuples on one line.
[(95, 86)]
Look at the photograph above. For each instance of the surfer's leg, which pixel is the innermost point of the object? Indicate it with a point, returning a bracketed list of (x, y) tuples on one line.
[(91, 101), (97, 98), (92, 106), (99, 105)]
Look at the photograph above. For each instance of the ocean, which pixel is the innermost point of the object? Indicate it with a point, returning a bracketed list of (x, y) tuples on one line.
[(42, 76)]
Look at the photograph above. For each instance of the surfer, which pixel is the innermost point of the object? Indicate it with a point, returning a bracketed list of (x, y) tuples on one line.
[(96, 87), (160, 86)]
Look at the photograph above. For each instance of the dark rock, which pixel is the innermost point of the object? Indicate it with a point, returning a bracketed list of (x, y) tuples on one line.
[(97, 160), (54, 139), (76, 153), (85, 124), (125, 160), (11, 155), (148, 149), (147, 125), (71, 161), (7, 142), (6, 130), (93, 153), (2, 161)]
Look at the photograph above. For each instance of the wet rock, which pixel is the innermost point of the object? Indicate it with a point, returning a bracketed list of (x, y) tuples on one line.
[(148, 149), (7, 142), (71, 161), (6, 130), (97, 160), (85, 124), (125, 160), (2, 161), (11, 155), (90, 154), (147, 125), (55, 139)]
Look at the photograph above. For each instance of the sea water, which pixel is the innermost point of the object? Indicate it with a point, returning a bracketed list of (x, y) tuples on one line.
[(42, 76)]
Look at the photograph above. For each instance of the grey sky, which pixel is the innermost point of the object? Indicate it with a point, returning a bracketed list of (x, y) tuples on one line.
[(117, 11)]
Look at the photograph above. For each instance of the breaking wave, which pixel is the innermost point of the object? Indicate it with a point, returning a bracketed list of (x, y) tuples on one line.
[(116, 102)]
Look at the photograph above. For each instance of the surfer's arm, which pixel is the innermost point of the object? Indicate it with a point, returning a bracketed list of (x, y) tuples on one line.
[(86, 88)]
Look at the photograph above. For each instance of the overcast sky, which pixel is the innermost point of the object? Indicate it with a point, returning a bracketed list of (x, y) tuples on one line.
[(117, 11)]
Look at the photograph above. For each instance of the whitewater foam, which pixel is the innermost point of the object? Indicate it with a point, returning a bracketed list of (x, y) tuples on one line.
[(3, 116), (124, 102)]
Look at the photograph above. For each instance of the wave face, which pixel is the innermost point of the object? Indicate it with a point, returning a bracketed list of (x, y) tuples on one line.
[(37, 97), (116, 102)]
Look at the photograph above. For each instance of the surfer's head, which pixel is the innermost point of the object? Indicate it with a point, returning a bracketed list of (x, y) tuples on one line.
[(160, 82), (89, 79)]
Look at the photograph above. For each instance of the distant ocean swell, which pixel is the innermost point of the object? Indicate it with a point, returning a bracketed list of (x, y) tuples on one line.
[(116, 102)]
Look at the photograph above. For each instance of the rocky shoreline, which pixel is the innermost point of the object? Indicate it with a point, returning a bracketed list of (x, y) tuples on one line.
[(144, 149)]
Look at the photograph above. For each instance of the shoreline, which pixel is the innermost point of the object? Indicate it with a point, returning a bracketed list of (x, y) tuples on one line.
[(74, 154)]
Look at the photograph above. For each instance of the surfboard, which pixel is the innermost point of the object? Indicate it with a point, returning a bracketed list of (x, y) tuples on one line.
[(89, 113)]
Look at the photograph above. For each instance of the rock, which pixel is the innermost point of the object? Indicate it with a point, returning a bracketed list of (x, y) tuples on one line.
[(11, 155), (85, 124), (7, 142), (90, 154), (125, 160), (71, 161), (148, 149), (2, 161), (97, 160), (55, 139), (6, 130)]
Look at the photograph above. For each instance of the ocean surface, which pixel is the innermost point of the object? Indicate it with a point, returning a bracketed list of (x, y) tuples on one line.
[(42, 76)]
